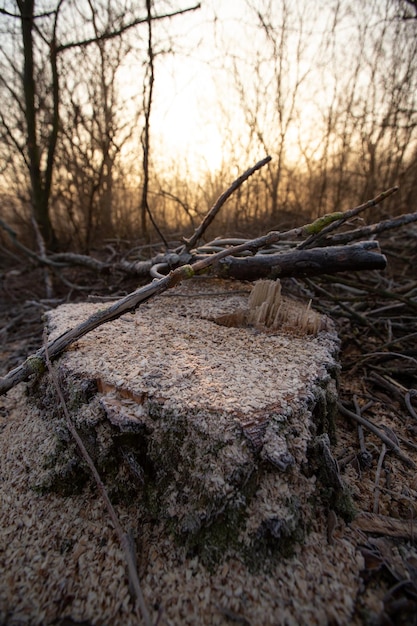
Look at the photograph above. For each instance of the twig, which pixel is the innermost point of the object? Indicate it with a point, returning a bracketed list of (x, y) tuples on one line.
[(365, 457), (190, 243), (377, 478), (29, 253), (362, 319), (384, 293), (373, 229), (382, 356), (182, 203), (407, 399), (392, 387), (393, 438), (13, 322), (123, 537), (317, 236), (374, 429)]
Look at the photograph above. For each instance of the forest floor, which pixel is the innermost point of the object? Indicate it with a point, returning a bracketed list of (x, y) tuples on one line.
[(375, 315)]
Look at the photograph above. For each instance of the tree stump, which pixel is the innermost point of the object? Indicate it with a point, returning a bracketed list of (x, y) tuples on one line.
[(211, 409)]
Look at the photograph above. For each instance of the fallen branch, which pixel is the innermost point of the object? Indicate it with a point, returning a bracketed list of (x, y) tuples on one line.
[(391, 445), (318, 235), (35, 363), (302, 262), (123, 537), (367, 231)]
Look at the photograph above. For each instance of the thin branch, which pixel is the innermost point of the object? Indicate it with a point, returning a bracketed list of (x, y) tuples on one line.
[(366, 231), (377, 489), (19, 17), (123, 537), (407, 399), (361, 319), (347, 215), (116, 33), (13, 236), (365, 457), (191, 242), (146, 138), (182, 203), (9, 133), (374, 429), (42, 254)]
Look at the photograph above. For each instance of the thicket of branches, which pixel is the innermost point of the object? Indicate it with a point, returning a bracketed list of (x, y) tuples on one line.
[(76, 146)]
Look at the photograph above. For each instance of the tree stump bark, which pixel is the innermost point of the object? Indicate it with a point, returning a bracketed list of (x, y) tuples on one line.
[(217, 423)]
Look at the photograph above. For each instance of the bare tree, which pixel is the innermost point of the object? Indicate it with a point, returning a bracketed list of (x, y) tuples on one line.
[(33, 93), (342, 87), (366, 97), (269, 83), (95, 127), (145, 139), (32, 126)]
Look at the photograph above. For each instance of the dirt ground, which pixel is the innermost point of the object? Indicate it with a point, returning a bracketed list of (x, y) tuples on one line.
[(364, 572)]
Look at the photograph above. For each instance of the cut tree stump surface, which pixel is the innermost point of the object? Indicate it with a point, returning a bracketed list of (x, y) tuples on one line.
[(217, 403), (205, 431)]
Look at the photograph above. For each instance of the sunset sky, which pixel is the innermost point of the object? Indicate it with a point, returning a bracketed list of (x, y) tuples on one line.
[(187, 117), (196, 112)]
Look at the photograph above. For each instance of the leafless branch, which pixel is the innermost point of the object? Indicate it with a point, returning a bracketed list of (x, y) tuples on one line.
[(116, 33), (367, 231), (191, 242), (315, 238), (122, 536), (391, 445), (36, 363)]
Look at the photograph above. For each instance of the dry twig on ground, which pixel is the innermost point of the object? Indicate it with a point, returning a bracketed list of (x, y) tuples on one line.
[(122, 536)]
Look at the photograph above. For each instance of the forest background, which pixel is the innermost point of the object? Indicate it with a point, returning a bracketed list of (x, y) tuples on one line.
[(126, 120)]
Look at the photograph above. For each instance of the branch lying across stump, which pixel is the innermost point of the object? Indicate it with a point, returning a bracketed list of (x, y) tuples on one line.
[(36, 363), (294, 263)]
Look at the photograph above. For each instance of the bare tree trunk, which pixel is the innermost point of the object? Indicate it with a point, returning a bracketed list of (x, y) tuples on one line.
[(106, 170), (147, 105), (40, 189)]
